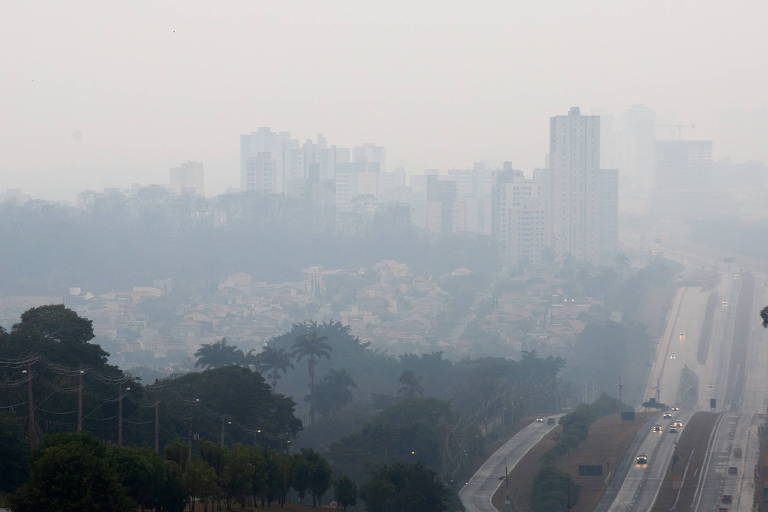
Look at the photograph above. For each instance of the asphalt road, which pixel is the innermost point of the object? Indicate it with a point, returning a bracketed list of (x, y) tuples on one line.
[(477, 494), (676, 350)]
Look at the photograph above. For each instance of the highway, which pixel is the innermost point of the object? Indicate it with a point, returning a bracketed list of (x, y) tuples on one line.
[(477, 494), (735, 442), (677, 350)]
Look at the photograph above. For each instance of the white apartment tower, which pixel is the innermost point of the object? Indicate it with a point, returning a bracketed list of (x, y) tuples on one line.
[(581, 198), (188, 178), (271, 163), (518, 217)]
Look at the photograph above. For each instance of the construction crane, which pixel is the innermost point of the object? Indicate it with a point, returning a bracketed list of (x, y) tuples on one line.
[(678, 128)]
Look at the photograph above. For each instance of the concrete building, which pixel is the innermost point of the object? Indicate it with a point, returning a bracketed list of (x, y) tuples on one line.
[(683, 164), (188, 178), (518, 217), (370, 154), (683, 178), (266, 161), (580, 206)]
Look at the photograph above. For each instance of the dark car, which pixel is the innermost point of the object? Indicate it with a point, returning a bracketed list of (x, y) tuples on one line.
[(551, 421)]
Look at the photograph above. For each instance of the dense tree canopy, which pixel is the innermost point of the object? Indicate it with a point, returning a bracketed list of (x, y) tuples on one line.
[(405, 488)]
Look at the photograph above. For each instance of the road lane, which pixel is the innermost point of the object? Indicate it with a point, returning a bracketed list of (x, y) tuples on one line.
[(477, 494)]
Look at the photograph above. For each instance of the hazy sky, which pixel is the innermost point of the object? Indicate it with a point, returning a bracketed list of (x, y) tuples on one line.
[(105, 93)]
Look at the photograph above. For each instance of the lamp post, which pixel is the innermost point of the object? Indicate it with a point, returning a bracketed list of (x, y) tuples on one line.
[(80, 374), (225, 420)]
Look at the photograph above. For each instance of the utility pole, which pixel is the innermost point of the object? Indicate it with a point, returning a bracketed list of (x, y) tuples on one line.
[(224, 420), (33, 440), (621, 388), (189, 430), (120, 396), (80, 400), (157, 428)]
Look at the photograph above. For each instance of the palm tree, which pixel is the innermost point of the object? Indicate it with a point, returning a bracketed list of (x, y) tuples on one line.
[(313, 347), (410, 385), (274, 362), (332, 393), (216, 355)]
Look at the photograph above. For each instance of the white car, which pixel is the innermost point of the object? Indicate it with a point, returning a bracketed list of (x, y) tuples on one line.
[(673, 356)]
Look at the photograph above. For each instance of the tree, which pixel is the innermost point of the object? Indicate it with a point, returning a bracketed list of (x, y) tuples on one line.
[(312, 347), (319, 475), (410, 385), (71, 474), (300, 475), (60, 333), (14, 456), (233, 391), (239, 471), (408, 431), (345, 492), (216, 355), (332, 393), (275, 362), (405, 488), (200, 480), (150, 481)]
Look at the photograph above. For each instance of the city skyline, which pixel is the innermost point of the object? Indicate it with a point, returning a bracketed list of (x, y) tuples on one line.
[(441, 87)]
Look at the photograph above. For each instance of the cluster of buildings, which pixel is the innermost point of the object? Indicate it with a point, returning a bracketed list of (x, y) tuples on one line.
[(568, 209)]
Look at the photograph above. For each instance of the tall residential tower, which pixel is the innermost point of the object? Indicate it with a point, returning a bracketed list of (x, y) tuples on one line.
[(581, 198)]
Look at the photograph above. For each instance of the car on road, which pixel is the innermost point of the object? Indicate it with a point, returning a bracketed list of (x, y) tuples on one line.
[(641, 460), (657, 428), (673, 356), (672, 430), (551, 421), (737, 452), (727, 498), (733, 470), (539, 420), (675, 409), (667, 415), (677, 424)]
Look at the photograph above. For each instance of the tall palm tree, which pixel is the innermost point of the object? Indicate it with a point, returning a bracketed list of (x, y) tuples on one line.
[(275, 362), (216, 355), (312, 347)]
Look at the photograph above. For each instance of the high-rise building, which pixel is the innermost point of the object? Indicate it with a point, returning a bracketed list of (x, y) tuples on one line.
[(683, 164), (370, 154), (188, 178), (518, 217), (267, 161), (637, 157), (683, 177), (580, 202)]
